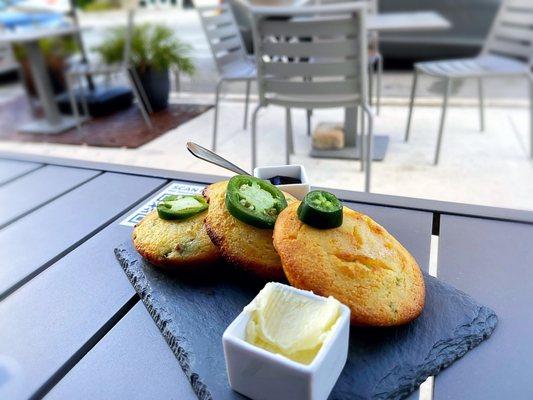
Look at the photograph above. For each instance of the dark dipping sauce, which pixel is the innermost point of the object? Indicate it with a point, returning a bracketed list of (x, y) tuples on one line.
[(284, 180)]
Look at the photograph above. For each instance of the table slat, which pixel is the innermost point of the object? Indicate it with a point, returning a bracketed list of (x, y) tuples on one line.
[(412, 228), (132, 362), (33, 242), (492, 261), (28, 192), (11, 169)]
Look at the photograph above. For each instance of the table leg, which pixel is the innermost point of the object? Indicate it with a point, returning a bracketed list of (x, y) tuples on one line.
[(42, 82), (53, 122), (351, 136), (350, 127), (351, 150)]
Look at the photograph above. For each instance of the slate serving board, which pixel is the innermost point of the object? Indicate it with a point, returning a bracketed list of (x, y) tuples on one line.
[(193, 312)]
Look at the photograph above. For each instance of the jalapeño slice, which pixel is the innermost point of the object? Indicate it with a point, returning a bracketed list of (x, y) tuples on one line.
[(254, 201), (320, 209), (180, 206)]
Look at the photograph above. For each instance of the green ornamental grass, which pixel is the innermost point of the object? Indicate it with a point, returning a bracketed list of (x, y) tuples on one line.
[(152, 47)]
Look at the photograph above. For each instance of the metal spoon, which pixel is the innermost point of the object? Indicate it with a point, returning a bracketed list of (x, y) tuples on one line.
[(209, 156)]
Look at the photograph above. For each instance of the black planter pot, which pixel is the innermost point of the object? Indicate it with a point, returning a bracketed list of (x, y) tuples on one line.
[(156, 84)]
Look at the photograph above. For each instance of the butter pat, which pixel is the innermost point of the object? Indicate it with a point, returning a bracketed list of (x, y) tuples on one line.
[(289, 323)]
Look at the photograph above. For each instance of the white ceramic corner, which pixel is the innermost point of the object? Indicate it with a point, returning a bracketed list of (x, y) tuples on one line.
[(262, 375), (298, 190)]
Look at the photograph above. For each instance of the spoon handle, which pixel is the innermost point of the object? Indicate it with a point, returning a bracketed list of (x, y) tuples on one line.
[(209, 156)]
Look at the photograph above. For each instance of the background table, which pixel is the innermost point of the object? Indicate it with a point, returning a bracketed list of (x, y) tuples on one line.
[(73, 327), (408, 21), (53, 122)]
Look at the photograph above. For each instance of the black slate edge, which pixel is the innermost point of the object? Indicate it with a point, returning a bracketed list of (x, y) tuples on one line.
[(162, 318), (439, 357)]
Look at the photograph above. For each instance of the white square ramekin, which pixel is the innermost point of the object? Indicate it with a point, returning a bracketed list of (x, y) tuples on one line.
[(262, 375), (298, 190)]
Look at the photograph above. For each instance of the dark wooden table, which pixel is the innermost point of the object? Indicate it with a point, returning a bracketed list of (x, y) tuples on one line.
[(71, 325)]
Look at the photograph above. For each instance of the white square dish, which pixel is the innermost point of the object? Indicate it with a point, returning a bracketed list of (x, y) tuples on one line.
[(262, 375), (298, 190)]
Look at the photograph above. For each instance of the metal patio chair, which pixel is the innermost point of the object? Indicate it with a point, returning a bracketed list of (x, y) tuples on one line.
[(79, 71), (7, 58), (508, 51), (232, 60), (375, 58), (328, 71)]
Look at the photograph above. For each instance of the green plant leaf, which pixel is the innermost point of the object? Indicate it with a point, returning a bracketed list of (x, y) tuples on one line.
[(153, 46)]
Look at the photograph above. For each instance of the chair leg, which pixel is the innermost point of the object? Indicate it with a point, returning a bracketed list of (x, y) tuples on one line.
[(141, 91), (254, 137), (368, 146), (215, 116), (361, 135), (83, 99), (73, 101), (138, 98), (371, 73), (379, 84), (447, 90), (411, 106), (246, 101), (355, 126), (530, 77), (289, 140), (107, 81), (309, 113), (177, 82), (481, 105)]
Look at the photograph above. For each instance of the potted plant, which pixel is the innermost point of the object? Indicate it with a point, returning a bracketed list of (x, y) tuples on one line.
[(154, 50)]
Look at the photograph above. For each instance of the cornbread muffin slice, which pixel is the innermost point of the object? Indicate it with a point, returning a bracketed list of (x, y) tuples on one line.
[(246, 246), (175, 244), (358, 263)]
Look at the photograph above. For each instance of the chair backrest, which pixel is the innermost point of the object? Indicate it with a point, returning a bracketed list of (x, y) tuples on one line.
[(511, 34), (223, 35), (372, 7), (7, 58), (311, 52)]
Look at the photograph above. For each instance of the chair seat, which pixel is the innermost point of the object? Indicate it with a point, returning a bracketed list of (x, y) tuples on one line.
[(89, 69), (315, 101), (239, 70), (484, 65)]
